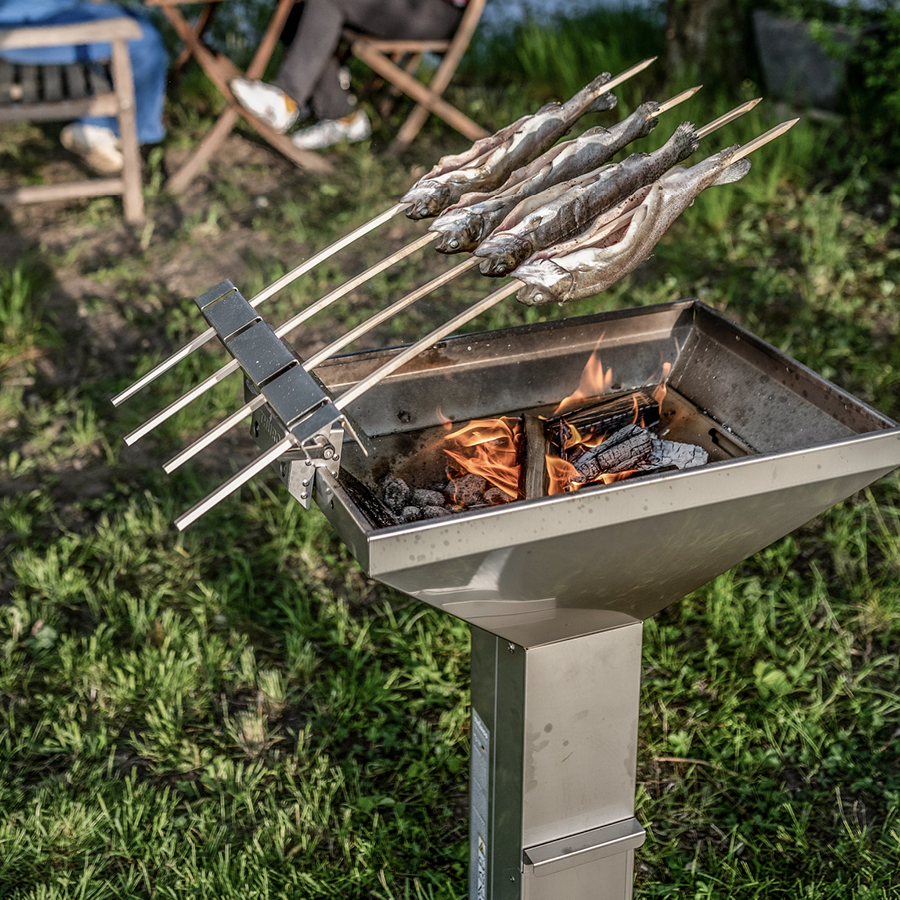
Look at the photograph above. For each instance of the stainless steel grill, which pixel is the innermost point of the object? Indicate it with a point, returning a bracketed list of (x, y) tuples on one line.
[(551, 586)]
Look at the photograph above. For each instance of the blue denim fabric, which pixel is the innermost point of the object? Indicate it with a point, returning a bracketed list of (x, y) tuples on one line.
[(148, 54)]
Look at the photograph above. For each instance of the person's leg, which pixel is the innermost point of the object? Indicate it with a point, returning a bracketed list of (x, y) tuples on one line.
[(409, 20), (309, 73)]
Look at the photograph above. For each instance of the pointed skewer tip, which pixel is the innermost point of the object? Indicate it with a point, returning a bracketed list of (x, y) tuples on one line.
[(764, 139)]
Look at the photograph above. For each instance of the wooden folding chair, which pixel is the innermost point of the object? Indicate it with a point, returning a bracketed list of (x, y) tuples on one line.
[(397, 61), (61, 93), (221, 71)]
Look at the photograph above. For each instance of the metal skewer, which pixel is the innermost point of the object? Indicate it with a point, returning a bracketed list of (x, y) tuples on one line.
[(264, 294), (366, 384), (288, 441), (239, 415), (382, 316), (429, 340), (281, 331), (233, 483)]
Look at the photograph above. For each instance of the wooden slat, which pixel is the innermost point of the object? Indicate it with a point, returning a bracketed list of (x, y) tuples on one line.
[(65, 35), (107, 105), (7, 72), (53, 83), (98, 79), (389, 47), (28, 78), (76, 81)]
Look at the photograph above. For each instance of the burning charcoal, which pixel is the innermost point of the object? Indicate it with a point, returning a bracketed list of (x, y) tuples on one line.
[(396, 493), (410, 514), (435, 512), (423, 498), (467, 490), (493, 496)]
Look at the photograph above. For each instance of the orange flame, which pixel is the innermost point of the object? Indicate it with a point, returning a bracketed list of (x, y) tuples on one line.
[(594, 381), (492, 451), (659, 393)]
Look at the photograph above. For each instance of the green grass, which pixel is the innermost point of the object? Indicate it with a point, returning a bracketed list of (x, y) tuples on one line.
[(240, 711)]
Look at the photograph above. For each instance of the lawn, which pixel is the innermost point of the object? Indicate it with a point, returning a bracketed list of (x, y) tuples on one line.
[(238, 711)]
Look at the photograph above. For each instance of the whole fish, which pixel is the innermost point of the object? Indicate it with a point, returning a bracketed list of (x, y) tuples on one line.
[(532, 226), (597, 259), (463, 226), (491, 160)]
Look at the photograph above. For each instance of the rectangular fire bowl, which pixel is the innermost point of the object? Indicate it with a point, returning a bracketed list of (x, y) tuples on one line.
[(784, 445)]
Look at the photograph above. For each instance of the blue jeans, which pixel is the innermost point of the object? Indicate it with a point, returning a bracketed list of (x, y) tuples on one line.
[(149, 60)]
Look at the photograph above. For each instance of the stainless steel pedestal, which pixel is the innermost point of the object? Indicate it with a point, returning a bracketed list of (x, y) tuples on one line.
[(554, 756)]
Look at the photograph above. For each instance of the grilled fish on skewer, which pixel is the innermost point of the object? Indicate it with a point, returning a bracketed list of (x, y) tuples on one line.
[(516, 145), (542, 221), (623, 238), (489, 162), (531, 227), (463, 226)]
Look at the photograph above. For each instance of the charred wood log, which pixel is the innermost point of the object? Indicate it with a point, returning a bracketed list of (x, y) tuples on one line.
[(601, 417), (633, 449)]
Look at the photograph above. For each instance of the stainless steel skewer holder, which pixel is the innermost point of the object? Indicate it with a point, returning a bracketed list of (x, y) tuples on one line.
[(297, 405)]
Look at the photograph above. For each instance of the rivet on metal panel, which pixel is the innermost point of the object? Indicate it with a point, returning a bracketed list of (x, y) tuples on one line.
[(304, 495), (511, 648)]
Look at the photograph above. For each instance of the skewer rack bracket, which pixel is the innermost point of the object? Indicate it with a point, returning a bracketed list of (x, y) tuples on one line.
[(297, 403)]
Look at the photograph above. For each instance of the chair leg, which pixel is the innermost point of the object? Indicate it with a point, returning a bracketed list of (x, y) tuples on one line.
[(211, 142), (204, 20), (132, 197)]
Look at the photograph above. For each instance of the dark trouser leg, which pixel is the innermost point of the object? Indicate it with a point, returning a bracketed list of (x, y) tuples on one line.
[(309, 64), (310, 69)]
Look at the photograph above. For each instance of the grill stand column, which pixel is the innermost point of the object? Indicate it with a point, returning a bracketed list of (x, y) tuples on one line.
[(554, 759)]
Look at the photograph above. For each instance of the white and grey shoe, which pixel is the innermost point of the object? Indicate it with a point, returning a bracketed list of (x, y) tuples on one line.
[(96, 145), (265, 101), (349, 129)]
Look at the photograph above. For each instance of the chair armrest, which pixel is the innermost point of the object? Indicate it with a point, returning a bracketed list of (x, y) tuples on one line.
[(28, 36)]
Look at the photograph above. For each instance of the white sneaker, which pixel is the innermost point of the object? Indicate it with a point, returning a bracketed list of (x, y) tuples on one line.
[(96, 145), (265, 101), (352, 128)]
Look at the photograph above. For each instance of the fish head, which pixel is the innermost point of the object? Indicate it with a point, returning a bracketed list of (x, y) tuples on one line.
[(545, 282), (647, 117), (458, 233), (502, 253), (428, 201)]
